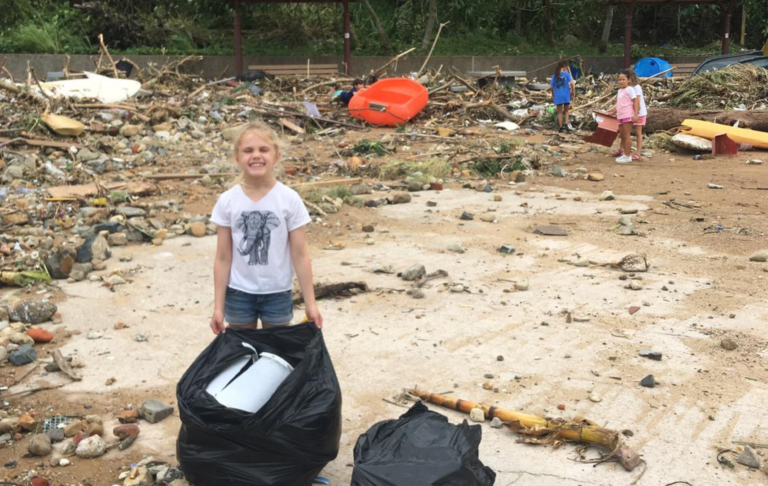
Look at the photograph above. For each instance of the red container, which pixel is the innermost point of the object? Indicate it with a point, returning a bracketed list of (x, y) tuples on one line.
[(389, 102)]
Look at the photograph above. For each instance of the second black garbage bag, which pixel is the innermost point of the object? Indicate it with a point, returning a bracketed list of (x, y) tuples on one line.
[(285, 443), (420, 448)]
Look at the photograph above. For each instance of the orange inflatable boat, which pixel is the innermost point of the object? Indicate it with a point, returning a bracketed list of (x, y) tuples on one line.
[(389, 102)]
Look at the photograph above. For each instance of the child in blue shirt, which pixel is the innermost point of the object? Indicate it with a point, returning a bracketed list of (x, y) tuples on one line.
[(563, 91)]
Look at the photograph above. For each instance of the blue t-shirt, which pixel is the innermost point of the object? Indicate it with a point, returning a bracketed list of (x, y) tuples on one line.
[(561, 86)]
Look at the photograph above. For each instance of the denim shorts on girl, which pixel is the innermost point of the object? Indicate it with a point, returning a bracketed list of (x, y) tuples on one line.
[(241, 308)]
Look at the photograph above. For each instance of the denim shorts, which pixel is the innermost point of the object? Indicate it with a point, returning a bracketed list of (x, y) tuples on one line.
[(241, 308)]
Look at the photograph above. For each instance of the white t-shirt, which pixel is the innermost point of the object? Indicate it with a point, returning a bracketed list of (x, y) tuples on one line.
[(261, 255), (639, 93)]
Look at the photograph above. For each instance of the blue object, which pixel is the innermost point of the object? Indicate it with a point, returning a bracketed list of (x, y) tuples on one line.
[(649, 66), (321, 480), (561, 87)]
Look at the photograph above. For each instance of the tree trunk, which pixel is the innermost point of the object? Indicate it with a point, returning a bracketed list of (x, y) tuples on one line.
[(383, 38), (548, 22), (431, 19), (608, 24), (663, 119), (519, 17)]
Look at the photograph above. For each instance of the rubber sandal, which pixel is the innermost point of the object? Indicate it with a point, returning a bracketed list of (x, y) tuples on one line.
[(635, 158), (617, 153)]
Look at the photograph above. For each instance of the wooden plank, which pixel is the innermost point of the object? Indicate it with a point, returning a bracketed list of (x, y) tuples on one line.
[(88, 190), (40, 143), (167, 177), (295, 66), (331, 183), (292, 126)]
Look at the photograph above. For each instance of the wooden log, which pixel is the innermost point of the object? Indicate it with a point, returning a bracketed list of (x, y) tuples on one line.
[(663, 119), (330, 183), (328, 290)]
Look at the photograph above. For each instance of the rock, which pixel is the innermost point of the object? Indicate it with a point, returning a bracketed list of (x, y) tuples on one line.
[(648, 382), (196, 229), (488, 217), (74, 428), (477, 415), (414, 272), (561, 406), (130, 212), (128, 417), (445, 132), (139, 476), (499, 358), (40, 335), (86, 155), (13, 172), (116, 280), (507, 249), (3, 354), (33, 311), (496, 423), (94, 429), (117, 239), (647, 353), (38, 481), (595, 177), (360, 189), (56, 435), (607, 196), (9, 425), (635, 285), (39, 445), (633, 309), (368, 228), (750, 458), (431, 204), (456, 248), (581, 263), (626, 221), (400, 198), (457, 289), (628, 458), (417, 293), (27, 422), (21, 339), (414, 186), (80, 271), (153, 411), (168, 475), (522, 284), (728, 344), (91, 447), (59, 263), (126, 431), (465, 216), (130, 130), (180, 482), (558, 171), (595, 397), (24, 355), (760, 256)]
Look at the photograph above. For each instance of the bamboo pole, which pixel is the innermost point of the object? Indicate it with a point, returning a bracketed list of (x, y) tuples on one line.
[(437, 38), (553, 431)]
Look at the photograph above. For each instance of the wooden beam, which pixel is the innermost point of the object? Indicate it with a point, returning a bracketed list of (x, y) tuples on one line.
[(331, 183), (628, 17)]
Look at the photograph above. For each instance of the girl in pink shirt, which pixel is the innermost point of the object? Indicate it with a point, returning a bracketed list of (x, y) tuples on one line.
[(626, 110)]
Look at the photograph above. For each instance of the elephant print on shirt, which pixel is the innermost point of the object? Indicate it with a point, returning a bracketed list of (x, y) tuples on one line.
[(257, 227)]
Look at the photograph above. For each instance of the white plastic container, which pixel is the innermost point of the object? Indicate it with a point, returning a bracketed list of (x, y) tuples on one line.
[(252, 389), (222, 379)]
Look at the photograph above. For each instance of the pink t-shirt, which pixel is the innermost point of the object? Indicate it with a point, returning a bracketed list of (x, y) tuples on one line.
[(625, 103)]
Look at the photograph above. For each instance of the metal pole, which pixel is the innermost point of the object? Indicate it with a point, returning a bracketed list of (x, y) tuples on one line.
[(629, 11), (238, 40), (727, 27), (347, 40)]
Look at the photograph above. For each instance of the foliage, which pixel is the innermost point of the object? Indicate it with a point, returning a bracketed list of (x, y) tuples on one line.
[(477, 27), (399, 169), (365, 146)]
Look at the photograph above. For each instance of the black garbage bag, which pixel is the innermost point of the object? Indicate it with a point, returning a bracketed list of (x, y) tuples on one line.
[(420, 448), (288, 441)]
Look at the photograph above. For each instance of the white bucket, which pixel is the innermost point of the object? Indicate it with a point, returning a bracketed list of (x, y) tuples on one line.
[(252, 389), (222, 379)]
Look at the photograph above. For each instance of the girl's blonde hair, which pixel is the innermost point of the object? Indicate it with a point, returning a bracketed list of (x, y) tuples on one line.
[(264, 132)]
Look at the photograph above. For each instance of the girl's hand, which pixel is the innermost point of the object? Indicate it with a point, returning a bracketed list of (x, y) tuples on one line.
[(313, 314), (217, 323), (634, 119)]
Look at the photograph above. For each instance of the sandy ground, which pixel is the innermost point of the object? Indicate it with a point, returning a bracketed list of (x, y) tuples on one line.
[(701, 287)]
